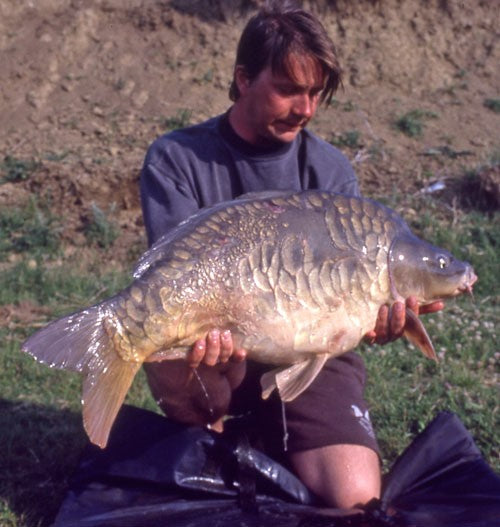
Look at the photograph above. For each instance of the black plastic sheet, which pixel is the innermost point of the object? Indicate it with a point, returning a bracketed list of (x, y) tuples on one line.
[(156, 473)]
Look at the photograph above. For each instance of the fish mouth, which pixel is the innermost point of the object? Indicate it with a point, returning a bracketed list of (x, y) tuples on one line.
[(469, 280)]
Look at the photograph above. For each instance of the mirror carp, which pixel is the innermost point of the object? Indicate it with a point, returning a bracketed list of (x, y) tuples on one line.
[(298, 278)]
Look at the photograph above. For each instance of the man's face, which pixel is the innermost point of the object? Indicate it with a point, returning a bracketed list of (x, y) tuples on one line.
[(277, 106)]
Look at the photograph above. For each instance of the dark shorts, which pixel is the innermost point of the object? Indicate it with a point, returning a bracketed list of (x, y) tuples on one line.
[(332, 410)]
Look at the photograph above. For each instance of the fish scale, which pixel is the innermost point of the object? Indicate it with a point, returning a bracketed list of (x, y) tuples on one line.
[(297, 277)]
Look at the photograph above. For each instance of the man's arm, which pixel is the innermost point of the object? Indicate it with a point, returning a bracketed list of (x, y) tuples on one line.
[(166, 198)]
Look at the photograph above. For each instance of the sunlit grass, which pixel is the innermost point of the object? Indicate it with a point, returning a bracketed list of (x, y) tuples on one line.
[(406, 390)]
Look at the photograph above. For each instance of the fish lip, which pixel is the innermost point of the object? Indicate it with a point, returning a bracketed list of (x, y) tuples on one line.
[(469, 280)]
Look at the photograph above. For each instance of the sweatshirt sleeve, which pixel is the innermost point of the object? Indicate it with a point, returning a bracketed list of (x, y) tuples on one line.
[(349, 187), (165, 197)]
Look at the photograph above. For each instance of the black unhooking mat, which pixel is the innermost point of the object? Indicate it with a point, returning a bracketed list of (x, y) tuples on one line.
[(156, 473)]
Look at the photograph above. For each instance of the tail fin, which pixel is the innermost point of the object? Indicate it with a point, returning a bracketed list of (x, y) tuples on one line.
[(80, 342)]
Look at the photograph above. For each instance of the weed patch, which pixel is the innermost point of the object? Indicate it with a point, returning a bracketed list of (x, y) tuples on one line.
[(15, 169), (30, 229), (348, 106), (99, 229), (181, 119), (412, 123), (349, 139), (492, 104)]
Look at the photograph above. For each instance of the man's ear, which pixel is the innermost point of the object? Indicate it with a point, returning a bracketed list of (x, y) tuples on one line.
[(241, 79)]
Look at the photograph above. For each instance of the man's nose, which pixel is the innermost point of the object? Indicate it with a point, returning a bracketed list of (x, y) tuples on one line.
[(304, 105)]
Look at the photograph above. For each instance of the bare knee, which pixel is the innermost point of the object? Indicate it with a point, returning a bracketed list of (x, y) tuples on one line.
[(358, 492), (344, 476)]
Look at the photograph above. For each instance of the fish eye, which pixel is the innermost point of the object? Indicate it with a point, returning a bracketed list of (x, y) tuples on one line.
[(442, 261)]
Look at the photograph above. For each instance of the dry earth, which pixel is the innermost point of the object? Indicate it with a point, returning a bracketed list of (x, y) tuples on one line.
[(87, 85)]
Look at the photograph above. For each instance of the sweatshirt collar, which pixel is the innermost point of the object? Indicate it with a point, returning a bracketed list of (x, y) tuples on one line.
[(248, 149)]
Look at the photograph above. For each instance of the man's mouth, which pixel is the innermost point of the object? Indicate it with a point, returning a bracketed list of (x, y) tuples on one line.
[(293, 124)]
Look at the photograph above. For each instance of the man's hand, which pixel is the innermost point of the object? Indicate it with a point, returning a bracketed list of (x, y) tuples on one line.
[(218, 347), (391, 321), (202, 396)]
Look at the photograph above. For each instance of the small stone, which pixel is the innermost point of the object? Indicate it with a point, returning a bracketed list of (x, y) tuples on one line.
[(140, 99)]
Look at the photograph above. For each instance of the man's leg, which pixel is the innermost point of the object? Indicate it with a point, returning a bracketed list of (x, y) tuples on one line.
[(331, 444), (344, 476)]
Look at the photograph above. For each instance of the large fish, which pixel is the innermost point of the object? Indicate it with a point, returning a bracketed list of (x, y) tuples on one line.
[(297, 278)]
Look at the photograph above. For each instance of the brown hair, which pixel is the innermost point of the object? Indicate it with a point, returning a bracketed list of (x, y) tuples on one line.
[(276, 32)]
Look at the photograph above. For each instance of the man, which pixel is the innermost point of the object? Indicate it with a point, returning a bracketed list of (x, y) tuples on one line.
[(285, 66)]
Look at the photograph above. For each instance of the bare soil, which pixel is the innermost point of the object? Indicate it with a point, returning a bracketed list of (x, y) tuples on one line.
[(86, 87)]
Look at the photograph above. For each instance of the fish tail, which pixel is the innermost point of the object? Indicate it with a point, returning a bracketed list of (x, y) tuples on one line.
[(81, 342), (103, 394)]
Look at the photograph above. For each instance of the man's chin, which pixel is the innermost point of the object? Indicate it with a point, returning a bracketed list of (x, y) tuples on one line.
[(285, 136)]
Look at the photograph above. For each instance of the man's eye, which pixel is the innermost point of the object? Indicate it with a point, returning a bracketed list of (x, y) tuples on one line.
[(287, 90)]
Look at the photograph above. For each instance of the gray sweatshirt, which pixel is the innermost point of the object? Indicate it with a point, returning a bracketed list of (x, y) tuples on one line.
[(204, 164)]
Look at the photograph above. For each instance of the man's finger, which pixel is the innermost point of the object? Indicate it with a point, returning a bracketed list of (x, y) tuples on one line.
[(226, 345), (213, 348), (432, 308), (370, 337), (412, 304), (239, 355), (195, 356), (397, 320), (382, 325)]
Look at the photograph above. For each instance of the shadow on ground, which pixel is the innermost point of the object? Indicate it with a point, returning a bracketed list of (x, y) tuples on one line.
[(40, 447)]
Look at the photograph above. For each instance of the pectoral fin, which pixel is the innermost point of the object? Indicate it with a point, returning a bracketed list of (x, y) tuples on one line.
[(292, 381), (416, 333)]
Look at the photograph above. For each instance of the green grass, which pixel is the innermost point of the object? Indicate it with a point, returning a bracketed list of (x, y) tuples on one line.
[(349, 139), (99, 229), (15, 169), (464, 380), (29, 229), (41, 435), (412, 123), (180, 120), (492, 104), (405, 389)]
